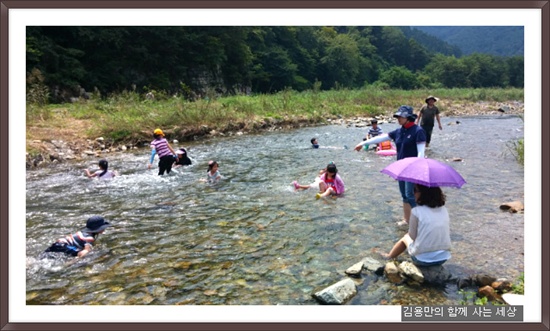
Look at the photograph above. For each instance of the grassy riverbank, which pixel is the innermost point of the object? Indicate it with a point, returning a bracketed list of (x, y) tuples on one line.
[(130, 117)]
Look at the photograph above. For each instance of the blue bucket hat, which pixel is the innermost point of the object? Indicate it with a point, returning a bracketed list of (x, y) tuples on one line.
[(407, 112)]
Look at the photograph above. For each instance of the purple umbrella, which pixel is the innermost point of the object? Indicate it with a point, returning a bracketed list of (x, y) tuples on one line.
[(425, 172)]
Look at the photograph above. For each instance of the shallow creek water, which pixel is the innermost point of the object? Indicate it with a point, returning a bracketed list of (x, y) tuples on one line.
[(252, 239)]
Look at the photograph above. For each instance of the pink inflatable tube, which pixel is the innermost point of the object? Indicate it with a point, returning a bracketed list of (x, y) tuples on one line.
[(386, 152)]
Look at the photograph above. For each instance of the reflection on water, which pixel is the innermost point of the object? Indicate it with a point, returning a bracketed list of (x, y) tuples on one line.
[(251, 239)]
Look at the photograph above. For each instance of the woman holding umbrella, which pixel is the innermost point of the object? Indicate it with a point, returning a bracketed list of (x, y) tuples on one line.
[(410, 141), (428, 241)]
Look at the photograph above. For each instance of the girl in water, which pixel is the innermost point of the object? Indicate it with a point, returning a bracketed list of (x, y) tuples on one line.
[(103, 172), (331, 183), (212, 174)]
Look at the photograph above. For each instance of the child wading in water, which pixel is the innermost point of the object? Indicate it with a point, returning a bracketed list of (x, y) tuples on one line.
[(103, 172), (212, 174), (182, 159), (331, 183), (80, 243), (166, 153)]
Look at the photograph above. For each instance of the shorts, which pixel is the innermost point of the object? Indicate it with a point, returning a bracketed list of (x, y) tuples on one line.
[(63, 248), (316, 183), (426, 264)]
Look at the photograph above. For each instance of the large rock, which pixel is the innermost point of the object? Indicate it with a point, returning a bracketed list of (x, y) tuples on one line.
[(502, 285), (337, 293), (489, 292), (355, 270), (411, 271), (392, 273), (512, 207), (436, 275), (482, 280), (372, 265)]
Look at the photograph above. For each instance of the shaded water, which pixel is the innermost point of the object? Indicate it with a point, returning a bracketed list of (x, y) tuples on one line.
[(251, 239)]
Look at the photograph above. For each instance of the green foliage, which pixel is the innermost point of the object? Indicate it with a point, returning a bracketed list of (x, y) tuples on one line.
[(37, 91), (518, 287), (517, 149), (471, 298), (37, 95), (126, 116), (213, 61), (399, 78)]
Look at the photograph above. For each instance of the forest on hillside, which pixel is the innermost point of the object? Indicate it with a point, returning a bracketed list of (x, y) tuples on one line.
[(193, 61)]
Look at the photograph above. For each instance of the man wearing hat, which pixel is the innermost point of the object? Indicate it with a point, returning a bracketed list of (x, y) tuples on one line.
[(426, 118), (80, 243), (410, 141)]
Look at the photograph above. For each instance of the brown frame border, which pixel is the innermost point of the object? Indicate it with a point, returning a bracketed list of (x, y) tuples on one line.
[(289, 4)]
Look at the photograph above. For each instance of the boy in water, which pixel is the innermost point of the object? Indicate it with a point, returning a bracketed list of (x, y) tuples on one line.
[(80, 243), (314, 143)]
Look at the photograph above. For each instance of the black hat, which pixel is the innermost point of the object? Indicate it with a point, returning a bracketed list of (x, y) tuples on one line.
[(96, 224)]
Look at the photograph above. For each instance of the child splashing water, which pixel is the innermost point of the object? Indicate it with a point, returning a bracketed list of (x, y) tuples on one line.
[(103, 172), (331, 183), (315, 184), (79, 243)]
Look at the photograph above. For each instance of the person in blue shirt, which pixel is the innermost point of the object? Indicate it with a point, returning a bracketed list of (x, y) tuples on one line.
[(410, 141)]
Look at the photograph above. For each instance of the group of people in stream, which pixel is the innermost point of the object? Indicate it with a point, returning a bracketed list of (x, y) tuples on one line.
[(428, 239)]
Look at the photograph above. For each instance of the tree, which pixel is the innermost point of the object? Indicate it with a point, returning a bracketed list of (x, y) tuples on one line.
[(485, 70), (399, 78), (448, 70), (340, 62), (516, 71)]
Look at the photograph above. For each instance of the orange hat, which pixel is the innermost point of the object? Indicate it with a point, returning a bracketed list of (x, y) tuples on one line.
[(158, 132)]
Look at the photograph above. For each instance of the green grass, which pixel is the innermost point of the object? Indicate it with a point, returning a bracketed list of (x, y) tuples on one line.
[(518, 287), (517, 148), (129, 116)]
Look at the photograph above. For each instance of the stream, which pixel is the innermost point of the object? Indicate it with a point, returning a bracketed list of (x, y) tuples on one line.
[(251, 239)]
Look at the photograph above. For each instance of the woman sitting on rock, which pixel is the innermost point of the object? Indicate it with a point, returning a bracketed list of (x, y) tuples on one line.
[(428, 240)]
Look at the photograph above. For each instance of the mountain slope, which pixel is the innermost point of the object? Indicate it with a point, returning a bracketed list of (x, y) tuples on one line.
[(493, 40)]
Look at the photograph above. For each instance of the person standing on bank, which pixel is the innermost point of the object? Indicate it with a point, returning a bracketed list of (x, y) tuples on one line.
[(410, 141), (426, 117), (166, 153)]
